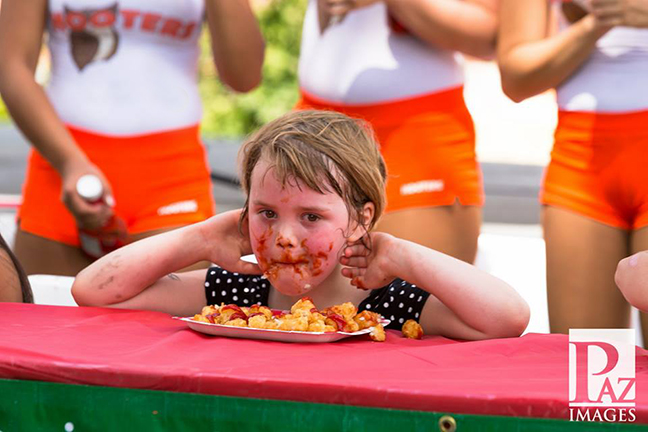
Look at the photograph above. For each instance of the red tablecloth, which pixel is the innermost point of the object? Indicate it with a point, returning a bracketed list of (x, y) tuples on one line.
[(527, 376)]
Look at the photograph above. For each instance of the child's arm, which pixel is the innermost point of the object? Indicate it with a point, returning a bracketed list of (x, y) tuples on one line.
[(632, 279), (140, 275), (466, 303)]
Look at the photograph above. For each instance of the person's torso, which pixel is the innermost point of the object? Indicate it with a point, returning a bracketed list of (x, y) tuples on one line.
[(363, 60), (614, 78), (125, 67)]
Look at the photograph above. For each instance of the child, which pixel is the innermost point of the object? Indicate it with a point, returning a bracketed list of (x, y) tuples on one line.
[(315, 185)]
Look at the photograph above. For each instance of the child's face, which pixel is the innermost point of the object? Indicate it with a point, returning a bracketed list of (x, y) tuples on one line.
[(296, 234)]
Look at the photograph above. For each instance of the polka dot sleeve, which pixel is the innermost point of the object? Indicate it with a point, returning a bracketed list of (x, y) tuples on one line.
[(226, 287), (398, 302)]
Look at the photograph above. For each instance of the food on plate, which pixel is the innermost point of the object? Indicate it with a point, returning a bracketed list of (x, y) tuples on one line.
[(303, 316), (412, 330)]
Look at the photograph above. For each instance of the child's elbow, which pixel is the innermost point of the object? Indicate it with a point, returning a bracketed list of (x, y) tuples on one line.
[(519, 318), (514, 320), (81, 291)]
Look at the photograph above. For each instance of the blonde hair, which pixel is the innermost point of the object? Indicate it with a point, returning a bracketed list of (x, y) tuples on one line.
[(327, 151)]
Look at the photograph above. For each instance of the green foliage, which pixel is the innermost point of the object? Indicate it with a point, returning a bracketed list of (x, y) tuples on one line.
[(231, 115), (4, 114)]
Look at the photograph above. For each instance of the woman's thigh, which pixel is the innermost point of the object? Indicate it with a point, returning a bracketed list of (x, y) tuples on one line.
[(639, 242), (453, 230), (39, 255), (582, 256)]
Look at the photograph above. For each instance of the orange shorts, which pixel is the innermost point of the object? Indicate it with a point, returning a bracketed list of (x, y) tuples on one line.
[(428, 144), (599, 168), (159, 181)]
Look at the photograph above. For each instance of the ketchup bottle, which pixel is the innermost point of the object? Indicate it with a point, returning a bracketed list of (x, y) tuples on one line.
[(113, 235)]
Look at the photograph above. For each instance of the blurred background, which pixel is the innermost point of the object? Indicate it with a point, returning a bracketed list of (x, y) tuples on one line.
[(513, 145)]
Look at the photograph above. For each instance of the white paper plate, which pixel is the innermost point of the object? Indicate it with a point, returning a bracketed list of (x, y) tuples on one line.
[(274, 335)]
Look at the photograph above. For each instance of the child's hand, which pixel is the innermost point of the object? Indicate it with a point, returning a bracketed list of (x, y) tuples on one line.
[(226, 244), (367, 261)]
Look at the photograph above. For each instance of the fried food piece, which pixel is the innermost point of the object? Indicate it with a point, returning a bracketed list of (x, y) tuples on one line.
[(265, 310), (346, 310), (257, 320), (238, 322), (207, 310), (316, 317), (412, 330), (227, 311), (290, 323), (317, 326), (304, 304), (366, 319), (201, 318), (378, 333), (271, 325)]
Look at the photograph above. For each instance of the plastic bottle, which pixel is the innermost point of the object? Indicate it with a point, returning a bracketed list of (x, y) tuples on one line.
[(113, 235)]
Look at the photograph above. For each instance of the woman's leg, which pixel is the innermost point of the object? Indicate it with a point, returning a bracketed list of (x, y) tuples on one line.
[(39, 255), (453, 230), (582, 256), (638, 243)]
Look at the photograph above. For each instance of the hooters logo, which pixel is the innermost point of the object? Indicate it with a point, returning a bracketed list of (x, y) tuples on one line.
[(92, 34)]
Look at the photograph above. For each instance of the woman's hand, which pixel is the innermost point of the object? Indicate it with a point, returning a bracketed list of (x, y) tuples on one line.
[(342, 7), (607, 13), (368, 261), (226, 244), (87, 215), (334, 11), (630, 13)]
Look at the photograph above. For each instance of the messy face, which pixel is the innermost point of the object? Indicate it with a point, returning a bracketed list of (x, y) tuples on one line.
[(296, 233)]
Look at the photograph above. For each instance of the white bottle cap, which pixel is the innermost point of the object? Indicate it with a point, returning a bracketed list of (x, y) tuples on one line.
[(89, 187)]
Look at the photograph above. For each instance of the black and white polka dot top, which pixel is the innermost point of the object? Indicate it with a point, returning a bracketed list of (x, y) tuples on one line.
[(398, 301)]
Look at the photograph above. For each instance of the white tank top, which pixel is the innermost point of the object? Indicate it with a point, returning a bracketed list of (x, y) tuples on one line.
[(125, 67), (361, 60), (615, 77)]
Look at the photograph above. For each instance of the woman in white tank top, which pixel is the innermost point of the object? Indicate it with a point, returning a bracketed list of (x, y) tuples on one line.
[(398, 65), (122, 105), (595, 191)]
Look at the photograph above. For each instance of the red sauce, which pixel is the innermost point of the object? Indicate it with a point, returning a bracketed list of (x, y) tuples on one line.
[(320, 257), (358, 283)]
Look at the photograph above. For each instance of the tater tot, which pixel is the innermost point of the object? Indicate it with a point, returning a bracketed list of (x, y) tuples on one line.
[(412, 330)]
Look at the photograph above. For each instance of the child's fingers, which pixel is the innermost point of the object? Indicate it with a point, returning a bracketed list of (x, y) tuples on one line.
[(356, 250), (354, 261), (351, 272)]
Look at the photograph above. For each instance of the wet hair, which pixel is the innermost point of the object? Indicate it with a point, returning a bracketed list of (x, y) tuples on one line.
[(327, 151), (12, 264)]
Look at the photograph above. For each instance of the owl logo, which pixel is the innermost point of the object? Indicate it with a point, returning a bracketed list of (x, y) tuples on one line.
[(92, 34)]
